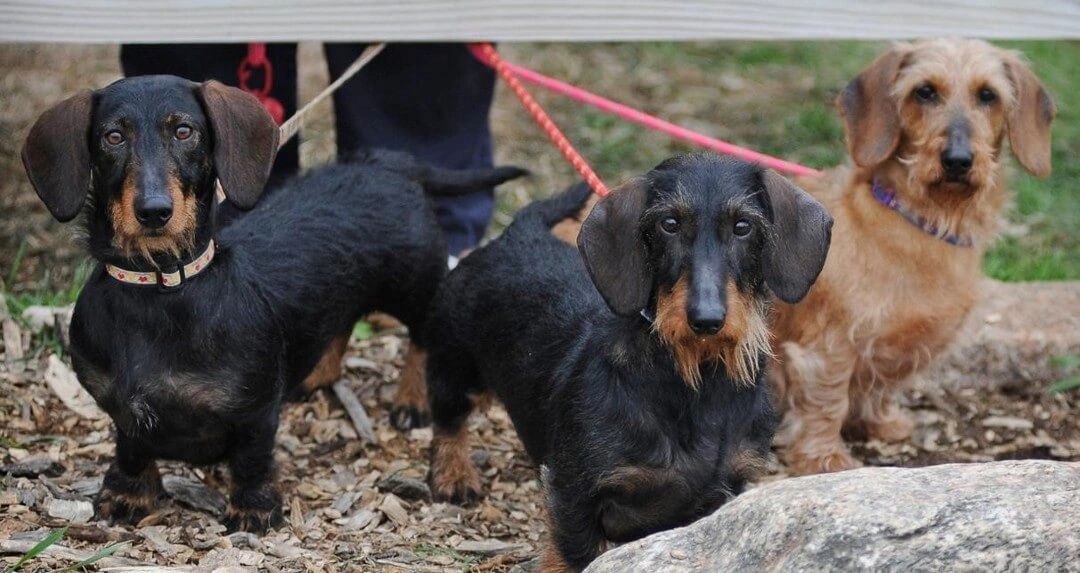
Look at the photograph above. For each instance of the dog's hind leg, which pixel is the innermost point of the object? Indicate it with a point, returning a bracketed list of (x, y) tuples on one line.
[(255, 503), (132, 486), (328, 370), (453, 477), (569, 228), (410, 408)]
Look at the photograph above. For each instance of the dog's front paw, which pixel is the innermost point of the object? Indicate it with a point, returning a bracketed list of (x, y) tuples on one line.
[(408, 417), (251, 520), (128, 498), (454, 479), (464, 490), (897, 427), (831, 462), (256, 510), (124, 508)]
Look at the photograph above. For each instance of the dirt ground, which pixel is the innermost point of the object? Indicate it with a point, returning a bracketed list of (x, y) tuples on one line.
[(350, 505)]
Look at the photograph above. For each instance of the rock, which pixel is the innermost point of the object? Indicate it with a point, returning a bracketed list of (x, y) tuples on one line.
[(1012, 336), (194, 494), (33, 466), (405, 487), (71, 510), (1015, 515)]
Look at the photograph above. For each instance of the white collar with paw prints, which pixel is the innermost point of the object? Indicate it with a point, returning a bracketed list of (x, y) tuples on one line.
[(165, 280)]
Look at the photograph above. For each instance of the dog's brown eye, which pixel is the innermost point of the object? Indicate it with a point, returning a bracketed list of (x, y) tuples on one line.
[(183, 132), (742, 228), (926, 93), (670, 225), (114, 137), (987, 96)]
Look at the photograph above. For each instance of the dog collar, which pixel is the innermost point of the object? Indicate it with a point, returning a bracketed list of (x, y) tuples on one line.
[(887, 197), (169, 280)]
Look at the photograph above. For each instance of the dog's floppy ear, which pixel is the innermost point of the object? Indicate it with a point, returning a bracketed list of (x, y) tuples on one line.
[(56, 155), (870, 113), (1030, 118), (245, 141), (611, 246), (799, 241)]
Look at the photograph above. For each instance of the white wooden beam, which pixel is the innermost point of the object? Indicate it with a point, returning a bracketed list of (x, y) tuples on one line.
[(135, 21)]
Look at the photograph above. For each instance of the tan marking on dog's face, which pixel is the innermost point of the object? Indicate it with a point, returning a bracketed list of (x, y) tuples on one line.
[(175, 238), (737, 345), (957, 71)]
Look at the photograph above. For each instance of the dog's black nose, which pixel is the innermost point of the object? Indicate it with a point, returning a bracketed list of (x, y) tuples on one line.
[(154, 211), (707, 323), (956, 161)]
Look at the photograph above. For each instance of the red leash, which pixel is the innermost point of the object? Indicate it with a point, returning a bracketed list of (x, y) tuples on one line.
[(511, 73), (486, 53)]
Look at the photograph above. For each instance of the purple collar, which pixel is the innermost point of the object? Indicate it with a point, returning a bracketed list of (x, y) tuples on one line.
[(887, 197)]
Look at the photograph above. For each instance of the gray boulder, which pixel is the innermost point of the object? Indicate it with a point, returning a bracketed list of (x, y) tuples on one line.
[(1012, 337), (1001, 516)]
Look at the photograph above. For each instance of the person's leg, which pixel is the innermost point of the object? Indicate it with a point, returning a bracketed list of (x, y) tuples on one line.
[(432, 100), (201, 62)]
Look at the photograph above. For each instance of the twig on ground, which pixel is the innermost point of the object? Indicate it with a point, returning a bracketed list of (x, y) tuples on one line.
[(356, 411)]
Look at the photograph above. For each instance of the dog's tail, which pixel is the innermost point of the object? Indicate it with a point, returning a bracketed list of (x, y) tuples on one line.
[(548, 212), (438, 180)]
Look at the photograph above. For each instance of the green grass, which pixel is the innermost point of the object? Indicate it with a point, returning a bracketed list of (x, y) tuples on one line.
[(46, 295), (50, 540), (785, 109)]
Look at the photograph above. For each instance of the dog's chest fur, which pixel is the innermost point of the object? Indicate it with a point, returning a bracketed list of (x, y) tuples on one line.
[(901, 293), (152, 380)]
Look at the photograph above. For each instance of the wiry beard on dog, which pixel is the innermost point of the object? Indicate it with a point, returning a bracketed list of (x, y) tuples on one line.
[(176, 238), (738, 346)]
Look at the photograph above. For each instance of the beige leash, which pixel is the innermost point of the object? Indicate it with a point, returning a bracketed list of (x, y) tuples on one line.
[(287, 130)]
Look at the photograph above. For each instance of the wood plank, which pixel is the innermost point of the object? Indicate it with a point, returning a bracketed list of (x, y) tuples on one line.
[(111, 21)]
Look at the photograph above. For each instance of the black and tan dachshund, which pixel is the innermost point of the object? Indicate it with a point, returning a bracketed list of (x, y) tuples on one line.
[(641, 390), (191, 338)]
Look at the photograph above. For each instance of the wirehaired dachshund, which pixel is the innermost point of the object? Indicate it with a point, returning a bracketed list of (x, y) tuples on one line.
[(926, 126), (190, 338), (633, 370)]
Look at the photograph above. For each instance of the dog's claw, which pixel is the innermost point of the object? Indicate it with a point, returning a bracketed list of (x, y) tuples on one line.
[(406, 418)]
